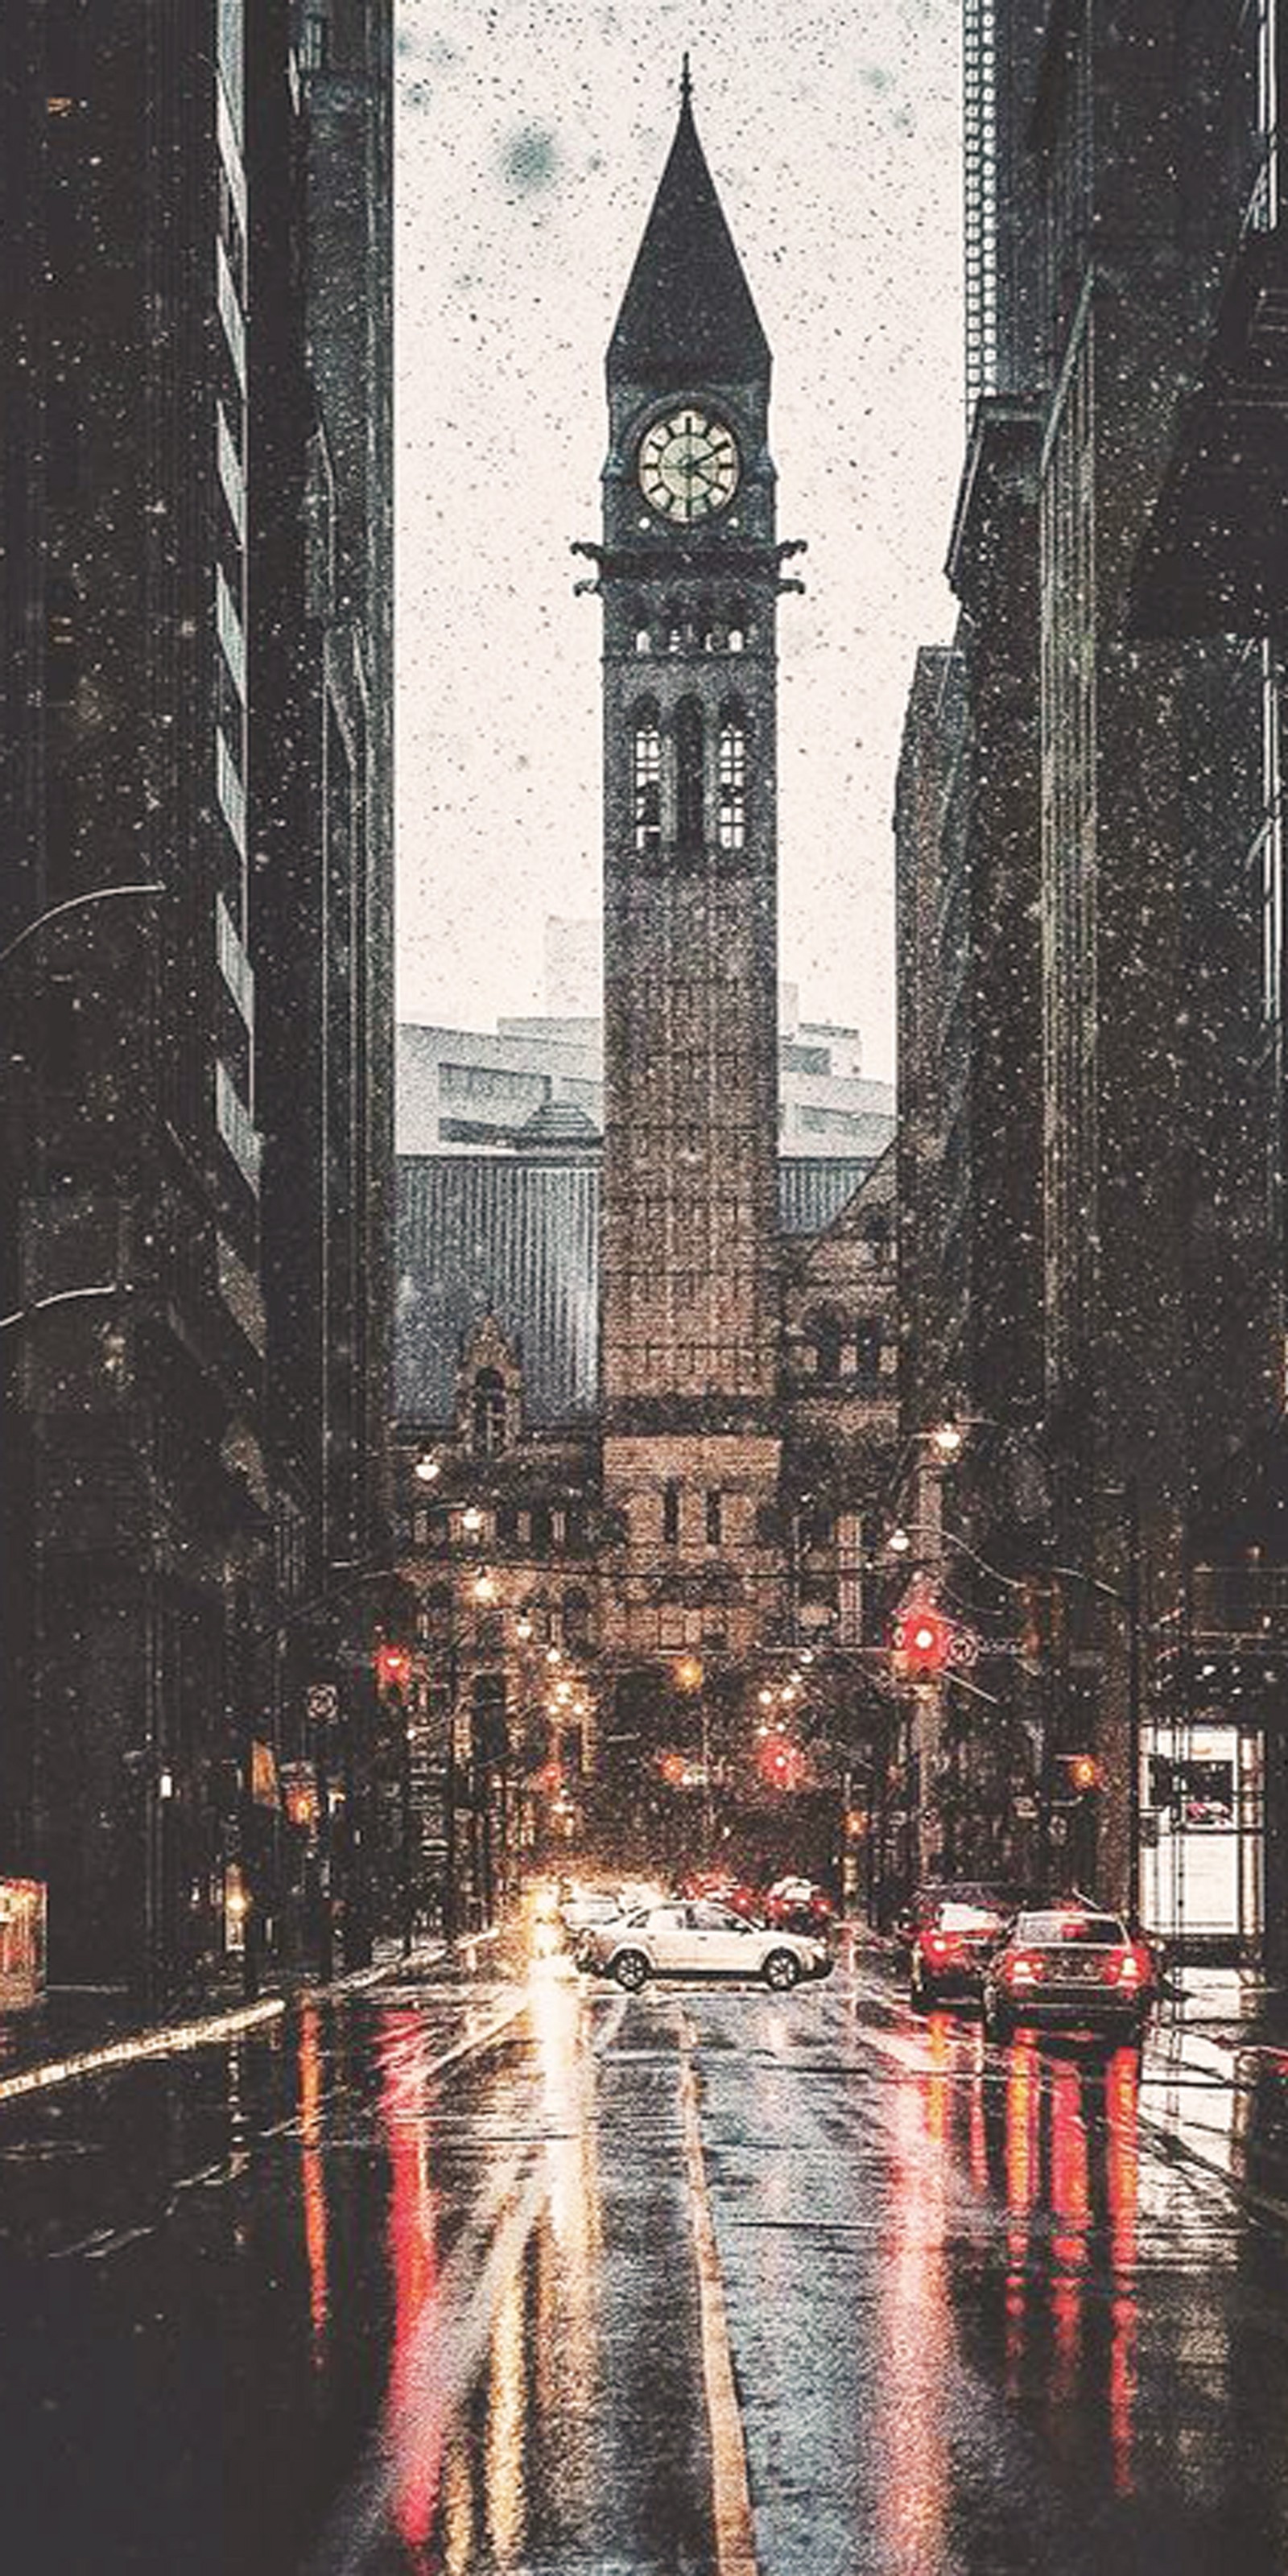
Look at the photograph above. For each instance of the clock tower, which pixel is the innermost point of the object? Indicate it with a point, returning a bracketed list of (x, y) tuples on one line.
[(689, 576)]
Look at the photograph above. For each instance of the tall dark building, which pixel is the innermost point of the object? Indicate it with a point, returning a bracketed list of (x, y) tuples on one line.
[(1118, 831), (151, 1516)]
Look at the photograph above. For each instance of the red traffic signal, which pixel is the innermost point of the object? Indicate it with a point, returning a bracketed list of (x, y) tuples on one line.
[(393, 1667), (782, 1765), (921, 1641)]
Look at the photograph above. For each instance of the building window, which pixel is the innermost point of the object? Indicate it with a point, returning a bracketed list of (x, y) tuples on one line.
[(715, 1519), (231, 793), (867, 1350), (671, 1515), (60, 1054), (62, 655), (733, 783), (63, 445), (230, 473), (576, 1620), (688, 777), (488, 1414), (647, 782), (316, 47), (825, 1337), (541, 1527)]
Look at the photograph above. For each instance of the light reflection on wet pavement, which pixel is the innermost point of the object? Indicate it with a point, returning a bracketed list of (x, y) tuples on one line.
[(406, 2284)]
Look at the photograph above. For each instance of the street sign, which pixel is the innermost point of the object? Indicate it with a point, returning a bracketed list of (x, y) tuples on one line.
[(322, 1702)]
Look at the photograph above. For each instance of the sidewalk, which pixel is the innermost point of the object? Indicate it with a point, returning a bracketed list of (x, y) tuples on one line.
[(78, 2030)]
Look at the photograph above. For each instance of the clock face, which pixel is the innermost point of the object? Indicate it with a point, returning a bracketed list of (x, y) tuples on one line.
[(688, 465)]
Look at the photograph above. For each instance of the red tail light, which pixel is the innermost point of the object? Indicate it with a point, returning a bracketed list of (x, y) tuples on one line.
[(1125, 1968), (940, 1945), (1023, 1969)]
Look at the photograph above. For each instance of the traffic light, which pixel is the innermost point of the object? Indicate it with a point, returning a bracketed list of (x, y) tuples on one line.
[(921, 1642), (1084, 1772), (393, 1668), (782, 1765)]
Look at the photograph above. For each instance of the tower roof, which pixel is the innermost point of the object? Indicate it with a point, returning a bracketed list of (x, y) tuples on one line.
[(687, 313)]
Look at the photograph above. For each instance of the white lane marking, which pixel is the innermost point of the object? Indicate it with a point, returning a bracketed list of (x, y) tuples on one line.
[(147, 2043), (730, 2486)]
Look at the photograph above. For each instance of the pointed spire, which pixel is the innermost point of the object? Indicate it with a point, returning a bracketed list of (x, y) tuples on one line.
[(687, 315)]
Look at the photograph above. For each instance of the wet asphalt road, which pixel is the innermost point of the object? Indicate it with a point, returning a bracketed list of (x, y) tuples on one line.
[(492, 2272)]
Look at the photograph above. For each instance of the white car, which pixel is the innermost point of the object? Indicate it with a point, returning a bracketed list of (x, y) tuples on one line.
[(586, 1910), (700, 1938)]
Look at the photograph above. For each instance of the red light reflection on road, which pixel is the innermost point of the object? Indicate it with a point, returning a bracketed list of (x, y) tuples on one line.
[(313, 2177), (1023, 2103), (916, 2323), (1071, 2207), (413, 2432), (1122, 2082)]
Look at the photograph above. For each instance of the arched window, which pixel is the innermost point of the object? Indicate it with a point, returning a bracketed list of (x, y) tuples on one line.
[(732, 780), (867, 1350), (646, 780), (738, 628), (689, 834), (825, 1336), (643, 640), (487, 1418), (576, 1620)]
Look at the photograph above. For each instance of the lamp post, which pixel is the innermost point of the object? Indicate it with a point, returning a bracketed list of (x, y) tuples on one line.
[(78, 903)]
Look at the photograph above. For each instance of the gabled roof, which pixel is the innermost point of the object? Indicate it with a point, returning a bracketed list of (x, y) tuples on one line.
[(687, 316)]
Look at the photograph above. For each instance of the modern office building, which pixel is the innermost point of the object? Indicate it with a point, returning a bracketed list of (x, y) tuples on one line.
[(475, 1090)]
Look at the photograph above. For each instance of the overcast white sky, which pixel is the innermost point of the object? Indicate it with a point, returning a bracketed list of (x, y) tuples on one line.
[(530, 142)]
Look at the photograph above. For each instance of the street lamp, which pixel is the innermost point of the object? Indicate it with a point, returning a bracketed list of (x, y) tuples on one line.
[(78, 903)]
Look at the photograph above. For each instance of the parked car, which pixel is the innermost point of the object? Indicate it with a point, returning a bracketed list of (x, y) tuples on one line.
[(797, 1905), (1070, 1963), (951, 1948), (584, 1909), (999, 1896), (699, 1937), (737, 1892)]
